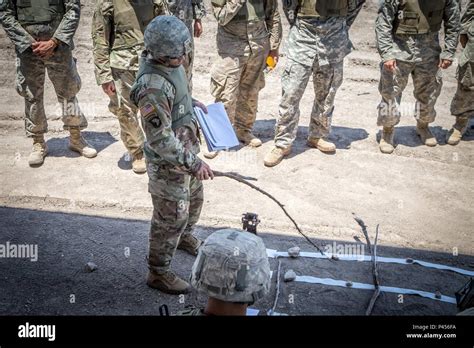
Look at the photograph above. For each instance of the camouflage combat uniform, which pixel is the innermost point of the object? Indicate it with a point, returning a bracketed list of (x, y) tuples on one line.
[(247, 31), (188, 11), (317, 44), (171, 149), (463, 102), (408, 31), (27, 21), (117, 34)]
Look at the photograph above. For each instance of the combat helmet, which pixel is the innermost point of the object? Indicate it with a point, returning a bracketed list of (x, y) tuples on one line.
[(167, 37), (232, 266)]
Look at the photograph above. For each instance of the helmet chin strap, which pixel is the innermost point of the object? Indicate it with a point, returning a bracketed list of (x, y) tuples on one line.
[(166, 62)]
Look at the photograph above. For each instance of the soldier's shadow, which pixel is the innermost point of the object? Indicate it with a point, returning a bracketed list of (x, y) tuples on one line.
[(342, 137), (59, 147), (407, 136)]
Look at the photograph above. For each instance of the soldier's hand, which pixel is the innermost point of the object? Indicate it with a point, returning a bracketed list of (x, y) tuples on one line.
[(275, 56), (200, 106), (390, 65), (109, 88), (44, 49), (204, 172), (197, 28), (445, 63), (463, 39)]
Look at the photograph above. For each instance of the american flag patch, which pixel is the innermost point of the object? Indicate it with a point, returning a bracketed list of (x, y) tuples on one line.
[(147, 110)]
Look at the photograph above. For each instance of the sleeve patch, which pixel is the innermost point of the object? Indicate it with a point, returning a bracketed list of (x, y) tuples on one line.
[(148, 110)]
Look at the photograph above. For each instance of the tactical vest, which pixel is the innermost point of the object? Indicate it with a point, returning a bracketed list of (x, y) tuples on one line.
[(130, 20), (251, 10), (323, 8), (419, 16), (39, 11), (182, 113)]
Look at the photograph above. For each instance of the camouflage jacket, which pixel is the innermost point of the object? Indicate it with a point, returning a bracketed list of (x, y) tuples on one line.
[(326, 40), (105, 57), (468, 29), (467, 20), (412, 48), (23, 39), (187, 10), (175, 149), (242, 34)]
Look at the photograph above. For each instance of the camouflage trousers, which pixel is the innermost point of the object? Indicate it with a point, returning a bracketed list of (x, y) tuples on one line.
[(30, 79), (122, 107), (236, 81), (326, 81), (189, 61), (462, 105), (427, 81), (177, 202)]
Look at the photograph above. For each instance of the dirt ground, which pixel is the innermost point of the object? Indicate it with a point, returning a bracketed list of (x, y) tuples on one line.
[(79, 210)]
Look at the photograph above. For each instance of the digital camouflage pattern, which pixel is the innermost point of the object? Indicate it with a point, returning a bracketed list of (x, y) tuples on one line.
[(171, 151), (31, 69), (416, 55), (167, 37), (232, 266), (108, 53), (316, 47), (188, 11), (116, 56), (243, 47), (24, 36), (408, 47), (463, 102)]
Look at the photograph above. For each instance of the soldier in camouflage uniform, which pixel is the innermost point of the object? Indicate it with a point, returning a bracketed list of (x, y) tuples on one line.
[(117, 35), (463, 103), (162, 94), (248, 32), (408, 42), (317, 45), (232, 269), (190, 12), (42, 32)]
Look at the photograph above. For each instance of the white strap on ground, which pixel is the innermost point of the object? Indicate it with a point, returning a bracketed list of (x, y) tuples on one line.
[(365, 258), (363, 286)]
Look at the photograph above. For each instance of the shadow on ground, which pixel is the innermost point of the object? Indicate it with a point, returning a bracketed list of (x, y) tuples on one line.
[(57, 284), (58, 147), (343, 137)]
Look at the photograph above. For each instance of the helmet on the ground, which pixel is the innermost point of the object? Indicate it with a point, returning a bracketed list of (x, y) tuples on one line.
[(232, 266), (167, 36)]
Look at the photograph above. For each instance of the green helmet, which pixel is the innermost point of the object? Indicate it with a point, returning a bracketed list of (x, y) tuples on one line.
[(232, 266), (167, 36)]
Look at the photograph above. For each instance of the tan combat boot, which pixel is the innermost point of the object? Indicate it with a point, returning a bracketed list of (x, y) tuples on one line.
[(322, 145), (190, 244), (167, 282), (40, 150), (248, 138), (275, 156), (78, 144), (425, 134), (458, 130), (386, 141), (138, 163)]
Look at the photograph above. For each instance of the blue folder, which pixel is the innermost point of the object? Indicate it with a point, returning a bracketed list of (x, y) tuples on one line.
[(216, 127)]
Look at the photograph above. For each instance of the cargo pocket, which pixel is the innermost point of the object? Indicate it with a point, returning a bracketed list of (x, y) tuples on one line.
[(218, 82), (465, 75)]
